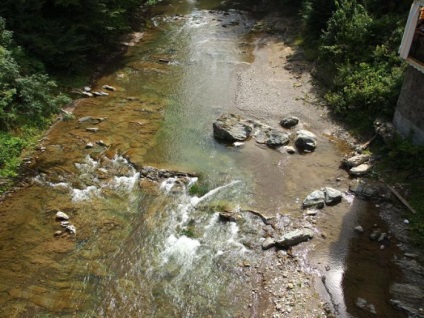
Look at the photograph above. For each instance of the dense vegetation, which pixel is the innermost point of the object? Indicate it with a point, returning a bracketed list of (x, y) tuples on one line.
[(355, 44), (40, 40)]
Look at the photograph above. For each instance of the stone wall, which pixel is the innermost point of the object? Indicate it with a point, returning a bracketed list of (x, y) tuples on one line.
[(409, 114)]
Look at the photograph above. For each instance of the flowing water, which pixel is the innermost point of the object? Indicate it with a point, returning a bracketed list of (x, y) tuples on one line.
[(153, 251)]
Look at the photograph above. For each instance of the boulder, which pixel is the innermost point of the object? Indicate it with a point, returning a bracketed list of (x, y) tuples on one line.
[(360, 170), (268, 243), (315, 199), (289, 121), (305, 140), (231, 127), (332, 196), (272, 137), (295, 237), (386, 130), (363, 191), (62, 216), (355, 160)]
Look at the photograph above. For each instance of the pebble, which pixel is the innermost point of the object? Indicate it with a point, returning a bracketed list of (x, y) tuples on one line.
[(359, 229), (381, 247), (290, 286), (62, 215), (89, 145), (57, 233)]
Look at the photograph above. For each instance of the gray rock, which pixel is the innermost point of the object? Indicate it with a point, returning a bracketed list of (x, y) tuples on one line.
[(87, 89), (289, 121), (314, 199), (359, 229), (386, 130), (89, 145), (92, 129), (305, 140), (360, 170), (231, 127), (109, 88), (362, 303), (355, 160), (268, 243), (272, 137), (85, 119), (87, 94), (375, 234), (62, 216), (332, 196), (295, 237), (71, 229)]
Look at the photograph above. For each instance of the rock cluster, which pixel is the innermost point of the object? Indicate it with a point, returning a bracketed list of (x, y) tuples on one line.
[(233, 128), (318, 198), (357, 165), (63, 218)]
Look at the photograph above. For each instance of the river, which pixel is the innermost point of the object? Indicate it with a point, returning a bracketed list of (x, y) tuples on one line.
[(143, 250)]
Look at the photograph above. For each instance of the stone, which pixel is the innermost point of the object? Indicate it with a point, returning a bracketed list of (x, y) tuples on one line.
[(295, 237), (231, 127), (58, 233), (87, 89), (386, 130), (85, 119), (268, 243), (355, 160), (98, 94), (272, 137), (311, 212), (92, 129), (290, 149), (61, 216), (360, 170), (109, 88), (407, 293), (332, 196), (305, 140), (289, 121), (71, 229), (89, 145), (375, 234), (381, 237), (363, 304), (238, 144), (359, 229), (315, 199), (87, 94)]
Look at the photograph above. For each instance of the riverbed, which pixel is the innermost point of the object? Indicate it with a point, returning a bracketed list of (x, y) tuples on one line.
[(159, 249)]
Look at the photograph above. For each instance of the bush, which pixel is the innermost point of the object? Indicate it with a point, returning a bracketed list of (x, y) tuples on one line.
[(10, 150)]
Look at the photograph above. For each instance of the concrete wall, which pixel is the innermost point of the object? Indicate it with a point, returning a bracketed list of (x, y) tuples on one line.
[(409, 114)]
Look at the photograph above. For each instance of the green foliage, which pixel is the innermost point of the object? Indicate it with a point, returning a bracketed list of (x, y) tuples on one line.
[(346, 36), (10, 150), (315, 15)]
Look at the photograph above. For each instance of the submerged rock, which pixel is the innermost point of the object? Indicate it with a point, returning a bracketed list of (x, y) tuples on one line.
[(306, 140), (295, 237), (289, 121), (315, 199), (231, 127), (363, 304), (227, 216)]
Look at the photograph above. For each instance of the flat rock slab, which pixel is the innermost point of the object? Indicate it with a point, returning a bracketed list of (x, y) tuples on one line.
[(272, 137), (295, 237)]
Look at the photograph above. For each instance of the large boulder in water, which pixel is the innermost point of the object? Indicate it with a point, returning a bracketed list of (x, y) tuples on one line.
[(305, 140), (231, 127), (295, 237)]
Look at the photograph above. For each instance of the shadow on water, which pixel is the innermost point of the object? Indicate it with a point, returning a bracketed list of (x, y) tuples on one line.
[(361, 267)]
